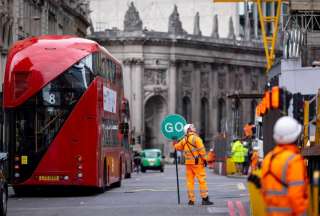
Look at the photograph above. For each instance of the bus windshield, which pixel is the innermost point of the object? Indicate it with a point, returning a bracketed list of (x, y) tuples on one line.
[(34, 124)]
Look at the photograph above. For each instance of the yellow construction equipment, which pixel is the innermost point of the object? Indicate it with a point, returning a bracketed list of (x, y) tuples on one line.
[(269, 41)]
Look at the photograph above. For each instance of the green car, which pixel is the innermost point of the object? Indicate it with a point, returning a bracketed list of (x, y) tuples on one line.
[(152, 159)]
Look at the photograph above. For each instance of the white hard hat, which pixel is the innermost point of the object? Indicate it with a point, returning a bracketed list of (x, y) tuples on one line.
[(286, 130), (187, 127), (256, 148)]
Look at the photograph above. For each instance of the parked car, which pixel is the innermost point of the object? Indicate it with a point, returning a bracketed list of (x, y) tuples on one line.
[(152, 159), (3, 184)]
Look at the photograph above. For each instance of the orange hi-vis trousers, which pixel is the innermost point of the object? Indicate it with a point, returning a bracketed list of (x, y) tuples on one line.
[(199, 172)]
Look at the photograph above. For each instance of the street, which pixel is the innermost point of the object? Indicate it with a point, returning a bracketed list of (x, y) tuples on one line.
[(150, 193)]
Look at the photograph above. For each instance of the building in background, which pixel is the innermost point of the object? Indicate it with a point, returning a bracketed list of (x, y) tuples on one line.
[(173, 71), (24, 18)]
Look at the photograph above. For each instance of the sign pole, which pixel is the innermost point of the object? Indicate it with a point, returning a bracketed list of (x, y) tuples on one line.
[(177, 174), (172, 128)]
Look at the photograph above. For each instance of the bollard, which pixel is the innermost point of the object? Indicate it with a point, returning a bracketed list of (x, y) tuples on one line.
[(315, 193)]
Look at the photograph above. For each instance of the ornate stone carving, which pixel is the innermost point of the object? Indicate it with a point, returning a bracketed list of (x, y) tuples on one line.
[(215, 27), (204, 93), (175, 25), (187, 92), (155, 77), (231, 34), (196, 27), (186, 78), (221, 80), (204, 79), (132, 21)]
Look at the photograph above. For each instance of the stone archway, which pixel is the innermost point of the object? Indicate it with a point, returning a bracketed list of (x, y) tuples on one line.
[(154, 111)]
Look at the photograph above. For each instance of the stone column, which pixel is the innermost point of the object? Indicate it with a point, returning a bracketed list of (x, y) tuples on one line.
[(127, 80), (229, 88), (256, 20), (137, 98), (196, 95), (212, 104), (172, 86)]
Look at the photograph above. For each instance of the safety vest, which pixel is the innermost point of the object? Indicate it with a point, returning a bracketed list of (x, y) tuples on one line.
[(238, 152), (284, 181), (193, 148)]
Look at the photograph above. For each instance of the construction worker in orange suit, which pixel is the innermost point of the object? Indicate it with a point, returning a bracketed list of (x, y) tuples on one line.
[(284, 182), (195, 161)]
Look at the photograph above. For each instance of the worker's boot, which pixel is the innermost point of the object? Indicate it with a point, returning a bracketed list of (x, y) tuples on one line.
[(206, 201), (191, 202)]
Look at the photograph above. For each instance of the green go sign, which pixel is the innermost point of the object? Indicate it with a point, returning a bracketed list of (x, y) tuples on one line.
[(172, 127)]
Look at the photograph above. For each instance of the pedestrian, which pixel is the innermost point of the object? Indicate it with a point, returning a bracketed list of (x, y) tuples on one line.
[(284, 181), (246, 162), (195, 162), (137, 161), (238, 152)]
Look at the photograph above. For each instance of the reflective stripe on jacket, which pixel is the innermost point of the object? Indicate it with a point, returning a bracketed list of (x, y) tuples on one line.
[(284, 181), (192, 144), (238, 152)]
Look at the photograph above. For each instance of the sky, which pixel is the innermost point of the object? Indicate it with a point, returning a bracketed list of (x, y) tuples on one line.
[(155, 14)]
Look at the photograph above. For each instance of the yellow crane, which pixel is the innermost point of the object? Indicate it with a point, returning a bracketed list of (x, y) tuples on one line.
[(269, 41)]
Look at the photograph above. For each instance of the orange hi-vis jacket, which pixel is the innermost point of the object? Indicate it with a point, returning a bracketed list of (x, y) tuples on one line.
[(254, 160), (284, 182), (193, 147)]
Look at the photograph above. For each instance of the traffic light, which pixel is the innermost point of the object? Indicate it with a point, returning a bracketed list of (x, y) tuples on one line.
[(298, 104)]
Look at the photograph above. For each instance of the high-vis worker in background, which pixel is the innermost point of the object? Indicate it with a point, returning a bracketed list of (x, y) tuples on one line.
[(195, 161), (254, 158), (284, 181), (238, 155)]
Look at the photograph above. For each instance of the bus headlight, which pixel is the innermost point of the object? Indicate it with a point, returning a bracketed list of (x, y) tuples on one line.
[(80, 175), (66, 178)]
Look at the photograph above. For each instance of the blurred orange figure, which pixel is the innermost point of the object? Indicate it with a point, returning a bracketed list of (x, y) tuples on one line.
[(254, 158), (211, 159)]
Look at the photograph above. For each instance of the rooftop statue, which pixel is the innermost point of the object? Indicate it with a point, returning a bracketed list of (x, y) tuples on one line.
[(132, 21), (215, 27), (196, 27), (231, 34), (175, 25)]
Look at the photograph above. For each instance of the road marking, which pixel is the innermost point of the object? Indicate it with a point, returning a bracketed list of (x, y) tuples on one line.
[(242, 211), (215, 210), (241, 186), (232, 211)]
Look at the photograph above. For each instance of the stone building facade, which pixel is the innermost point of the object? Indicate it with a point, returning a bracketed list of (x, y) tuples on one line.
[(188, 74), (24, 18)]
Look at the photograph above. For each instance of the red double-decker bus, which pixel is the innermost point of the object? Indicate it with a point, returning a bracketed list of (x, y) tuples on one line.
[(66, 118)]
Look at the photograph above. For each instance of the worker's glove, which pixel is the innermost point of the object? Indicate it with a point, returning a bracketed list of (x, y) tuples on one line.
[(174, 143)]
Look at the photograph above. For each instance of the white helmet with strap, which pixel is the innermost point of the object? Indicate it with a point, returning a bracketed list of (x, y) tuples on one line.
[(286, 130), (187, 127)]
